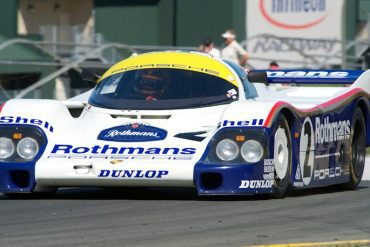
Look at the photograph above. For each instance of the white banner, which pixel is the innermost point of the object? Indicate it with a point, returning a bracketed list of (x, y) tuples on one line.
[(295, 33)]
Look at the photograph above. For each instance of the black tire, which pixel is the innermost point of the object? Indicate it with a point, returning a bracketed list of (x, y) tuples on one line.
[(357, 149), (282, 158)]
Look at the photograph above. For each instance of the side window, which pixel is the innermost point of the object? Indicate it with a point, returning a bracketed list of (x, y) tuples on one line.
[(249, 89), (111, 85)]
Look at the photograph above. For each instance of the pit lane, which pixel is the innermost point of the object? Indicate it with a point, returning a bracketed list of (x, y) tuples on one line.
[(177, 217)]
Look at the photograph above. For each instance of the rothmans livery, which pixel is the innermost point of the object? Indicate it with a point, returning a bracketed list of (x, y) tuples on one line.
[(186, 119)]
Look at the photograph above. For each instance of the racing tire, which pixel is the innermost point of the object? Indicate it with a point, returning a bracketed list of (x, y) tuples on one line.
[(282, 158), (357, 150)]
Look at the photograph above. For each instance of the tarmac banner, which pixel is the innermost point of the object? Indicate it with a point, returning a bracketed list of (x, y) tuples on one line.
[(295, 33)]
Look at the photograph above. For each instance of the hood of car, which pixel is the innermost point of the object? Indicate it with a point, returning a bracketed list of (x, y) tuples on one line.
[(137, 135)]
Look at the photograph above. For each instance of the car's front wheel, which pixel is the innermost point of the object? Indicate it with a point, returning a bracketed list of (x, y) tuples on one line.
[(357, 149), (282, 158)]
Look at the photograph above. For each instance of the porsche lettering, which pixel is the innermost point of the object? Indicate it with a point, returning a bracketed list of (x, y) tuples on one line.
[(176, 66), (328, 173)]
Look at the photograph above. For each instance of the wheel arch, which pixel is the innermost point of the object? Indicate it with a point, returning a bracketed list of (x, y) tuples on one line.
[(365, 109), (289, 115)]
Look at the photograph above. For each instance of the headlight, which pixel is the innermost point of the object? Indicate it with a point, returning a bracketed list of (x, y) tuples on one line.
[(252, 151), (6, 147), (227, 150), (27, 148)]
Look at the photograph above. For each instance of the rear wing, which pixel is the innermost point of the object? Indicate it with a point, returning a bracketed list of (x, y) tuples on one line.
[(311, 76)]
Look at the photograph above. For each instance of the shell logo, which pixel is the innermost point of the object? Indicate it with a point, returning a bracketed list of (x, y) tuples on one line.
[(309, 13)]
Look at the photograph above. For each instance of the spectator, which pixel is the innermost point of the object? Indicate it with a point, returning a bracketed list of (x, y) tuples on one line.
[(208, 47), (274, 66), (231, 50)]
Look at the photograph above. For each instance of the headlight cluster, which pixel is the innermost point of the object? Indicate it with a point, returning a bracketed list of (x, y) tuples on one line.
[(228, 150), (237, 146), (19, 144)]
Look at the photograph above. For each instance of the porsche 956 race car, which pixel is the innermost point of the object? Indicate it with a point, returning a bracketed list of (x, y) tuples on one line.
[(185, 119)]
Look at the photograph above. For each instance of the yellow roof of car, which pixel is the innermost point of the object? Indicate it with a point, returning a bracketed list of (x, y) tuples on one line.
[(175, 60)]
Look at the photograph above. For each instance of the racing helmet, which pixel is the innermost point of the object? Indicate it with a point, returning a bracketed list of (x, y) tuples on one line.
[(152, 82)]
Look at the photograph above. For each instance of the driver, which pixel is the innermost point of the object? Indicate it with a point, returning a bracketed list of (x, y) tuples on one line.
[(152, 83)]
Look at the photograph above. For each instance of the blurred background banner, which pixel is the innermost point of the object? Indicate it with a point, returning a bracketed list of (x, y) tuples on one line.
[(305, 31)]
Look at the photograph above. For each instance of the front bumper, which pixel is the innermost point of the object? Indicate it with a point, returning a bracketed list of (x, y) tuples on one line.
[(234, 179)]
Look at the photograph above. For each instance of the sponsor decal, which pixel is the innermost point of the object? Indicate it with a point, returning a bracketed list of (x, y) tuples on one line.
[(165, 65), (331, 131), (279, 13), (306, 151), (66, 151), (308, 74), (232, 93), (268, 176), (325, 132), (256, 184), (328, 173), (153, 174), (121, 157), (268, 169), (21, 120), (133, 132), (107, 149), (269, 165), (241, 123)]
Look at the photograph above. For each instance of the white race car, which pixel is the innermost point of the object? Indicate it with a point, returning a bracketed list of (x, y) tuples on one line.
[(185, 119)]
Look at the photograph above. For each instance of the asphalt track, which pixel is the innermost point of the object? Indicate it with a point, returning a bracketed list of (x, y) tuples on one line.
[(177, 217)]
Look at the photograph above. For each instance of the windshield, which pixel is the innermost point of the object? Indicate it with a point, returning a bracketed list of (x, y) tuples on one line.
[(162, 88)]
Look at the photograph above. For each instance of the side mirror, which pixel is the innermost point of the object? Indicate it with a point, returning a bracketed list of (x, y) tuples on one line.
[(92, 74), (257, 76)]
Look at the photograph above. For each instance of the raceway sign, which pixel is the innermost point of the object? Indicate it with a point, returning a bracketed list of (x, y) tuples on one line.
[(292, 29)]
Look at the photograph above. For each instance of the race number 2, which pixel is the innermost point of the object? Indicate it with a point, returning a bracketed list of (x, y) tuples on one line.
[(307, 151)]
